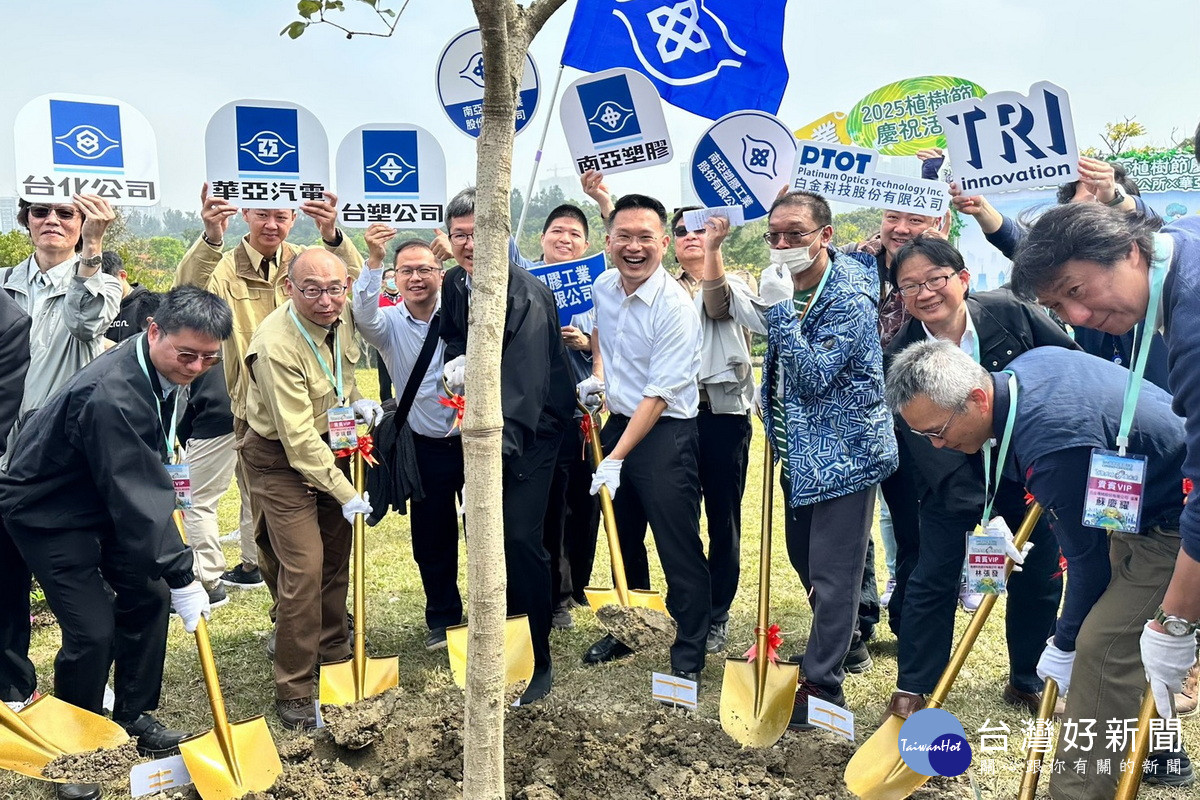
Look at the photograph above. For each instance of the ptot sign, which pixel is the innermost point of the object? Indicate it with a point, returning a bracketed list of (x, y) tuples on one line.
[(842, 159)]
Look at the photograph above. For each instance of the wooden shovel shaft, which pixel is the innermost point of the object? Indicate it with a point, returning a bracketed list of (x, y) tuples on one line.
[(761, 662), (360, 602), (959, 656), (620, 584), (1034, 754)]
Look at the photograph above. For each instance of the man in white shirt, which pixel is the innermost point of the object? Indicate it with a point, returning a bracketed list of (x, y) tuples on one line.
[(399, 333), (646, 345)]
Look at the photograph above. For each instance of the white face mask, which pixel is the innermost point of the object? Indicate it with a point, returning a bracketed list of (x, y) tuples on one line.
[(796, 259)]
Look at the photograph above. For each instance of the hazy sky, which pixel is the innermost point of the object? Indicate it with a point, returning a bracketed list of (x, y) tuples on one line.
[(179, 62)]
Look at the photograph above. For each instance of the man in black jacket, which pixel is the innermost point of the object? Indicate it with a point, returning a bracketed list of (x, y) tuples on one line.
[(994, 327), (137, 302), (88, 501), (538, 401)]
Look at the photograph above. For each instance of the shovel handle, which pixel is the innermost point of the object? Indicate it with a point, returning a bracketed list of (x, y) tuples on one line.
[(620, 582), (1033, 755), (359, 658), (764, 574), (1127, 787)]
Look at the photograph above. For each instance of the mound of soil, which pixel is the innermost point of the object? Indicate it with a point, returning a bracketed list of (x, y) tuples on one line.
[(639, 629), (98, 766)]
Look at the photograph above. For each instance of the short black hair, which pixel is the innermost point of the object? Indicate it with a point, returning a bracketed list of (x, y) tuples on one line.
[(678, 215), (1066, 192), (194, 309), (461, 205), (409, 244), (629, 202), (937, 250), (1083, 231), (818, 207), (570, 211), (111, 262)]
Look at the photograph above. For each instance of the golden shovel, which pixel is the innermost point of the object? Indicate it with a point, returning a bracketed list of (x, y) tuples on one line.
[(876, 771), (1139, 748), (234, 758), (48, 728), (1034, 753), (620, 594), (757, 696), (357, 677)]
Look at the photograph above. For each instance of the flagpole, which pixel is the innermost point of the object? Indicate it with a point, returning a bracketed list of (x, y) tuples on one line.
[(537, 159)]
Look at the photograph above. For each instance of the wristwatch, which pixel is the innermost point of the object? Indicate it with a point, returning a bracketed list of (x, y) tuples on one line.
[(1175, 626), (1118, 198), (91, 262)]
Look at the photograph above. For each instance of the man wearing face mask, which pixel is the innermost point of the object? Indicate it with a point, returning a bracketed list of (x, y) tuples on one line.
[(823, 408), (389, 297)]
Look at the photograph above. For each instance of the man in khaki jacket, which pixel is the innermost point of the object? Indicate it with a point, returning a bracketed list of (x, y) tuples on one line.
[(250, 277)]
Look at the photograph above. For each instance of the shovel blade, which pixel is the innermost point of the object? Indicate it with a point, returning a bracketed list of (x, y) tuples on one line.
[(339, 687), (48, 728), (599, 598), (518, 651), (877, 772), (740, 698), (648, 598), (251, 766)]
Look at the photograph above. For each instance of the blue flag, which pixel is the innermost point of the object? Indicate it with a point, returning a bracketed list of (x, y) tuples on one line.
[(710, 57)]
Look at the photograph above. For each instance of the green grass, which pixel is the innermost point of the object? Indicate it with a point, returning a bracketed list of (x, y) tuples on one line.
[(396, 626)]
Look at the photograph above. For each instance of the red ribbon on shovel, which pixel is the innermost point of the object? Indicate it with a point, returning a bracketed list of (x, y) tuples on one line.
[(458, 403), (366, 445), (773, 642)]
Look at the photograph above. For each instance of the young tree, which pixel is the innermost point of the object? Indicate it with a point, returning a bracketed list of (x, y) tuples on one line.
[(506, 29)]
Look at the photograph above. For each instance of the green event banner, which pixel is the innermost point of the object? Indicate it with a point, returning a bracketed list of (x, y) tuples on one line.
[(901, 118)]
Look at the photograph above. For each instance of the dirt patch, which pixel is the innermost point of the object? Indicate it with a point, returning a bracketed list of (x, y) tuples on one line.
[(640, 629), (559, 751), (358, 725), (98, 766)]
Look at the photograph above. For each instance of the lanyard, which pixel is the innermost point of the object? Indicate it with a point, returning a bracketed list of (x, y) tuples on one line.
[(1163, 249), (989, 487), (168, 435), (337, 349), (817, 293)]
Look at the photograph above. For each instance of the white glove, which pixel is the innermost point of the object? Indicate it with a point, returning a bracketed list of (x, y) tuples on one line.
[(775, 285), (589, 390), (368, 411), (1166, 659), (356, 505), (998, 527), (455, 374), (1056, 664), (191, 602), (608, 474)]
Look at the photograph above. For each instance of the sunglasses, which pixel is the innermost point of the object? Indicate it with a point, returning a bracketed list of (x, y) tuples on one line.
[(186, 357), (62, 212), (682, 231)]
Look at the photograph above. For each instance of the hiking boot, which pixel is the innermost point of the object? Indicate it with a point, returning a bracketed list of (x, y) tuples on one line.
[(1168, 768), (217, 596), (154, 739), (1185, 701), (561, 620), (1029, 700), (77, 791), (718, 637), (903, 705), (242, 577), (804, 690), (298, 714), (435, 639)]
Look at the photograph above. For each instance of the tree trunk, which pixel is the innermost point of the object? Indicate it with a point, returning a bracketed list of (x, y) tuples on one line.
[(506, 31)]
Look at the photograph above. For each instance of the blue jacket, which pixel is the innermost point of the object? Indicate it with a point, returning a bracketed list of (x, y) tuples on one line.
[(1181, 322), (839, 430)]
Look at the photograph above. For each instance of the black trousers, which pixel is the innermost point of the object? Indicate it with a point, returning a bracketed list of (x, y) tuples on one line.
[(660, 487), (131, 630), (385, 381), (17, 677), (901, 494), (927, 628), (526, 492), (724, 454), (434, 524), (572, 519)]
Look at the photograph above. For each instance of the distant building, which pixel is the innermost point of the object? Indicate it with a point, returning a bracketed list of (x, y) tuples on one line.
[(8, 214), (687, 195)]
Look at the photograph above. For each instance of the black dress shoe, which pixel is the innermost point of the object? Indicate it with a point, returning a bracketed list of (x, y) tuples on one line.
[(1029, 700), (607, 649), (154, 739), (77, 791)]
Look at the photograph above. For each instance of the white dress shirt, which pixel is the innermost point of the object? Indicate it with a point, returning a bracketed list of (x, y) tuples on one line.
[(399, 336), (970, 338), (650, 343)]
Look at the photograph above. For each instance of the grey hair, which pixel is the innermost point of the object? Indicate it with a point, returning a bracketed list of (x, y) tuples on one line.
[(461, 205), (936, 369), (196, 310)]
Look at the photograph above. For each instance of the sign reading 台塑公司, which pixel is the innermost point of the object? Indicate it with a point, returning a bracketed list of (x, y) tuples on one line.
[(1008, 140), (266, 154), (391, 173), (847, 174), (614, 122), (68, 144)]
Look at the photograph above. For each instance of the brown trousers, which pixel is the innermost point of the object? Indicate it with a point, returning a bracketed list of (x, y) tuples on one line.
[(310, 542)]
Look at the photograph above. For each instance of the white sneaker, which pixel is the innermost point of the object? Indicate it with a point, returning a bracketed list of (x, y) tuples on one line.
[(234, 535), (17, 705), (886, 597), (970, 600), (110, 700)]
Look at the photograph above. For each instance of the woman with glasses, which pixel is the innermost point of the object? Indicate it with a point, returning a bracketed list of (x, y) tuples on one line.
[(993, 328)]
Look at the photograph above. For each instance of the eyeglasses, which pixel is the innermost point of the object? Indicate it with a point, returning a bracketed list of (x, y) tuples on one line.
[(682, 231), (186, 357), (933, 284), (281, 218), (624, 240), (791, 237), (423, 272), (313, 292), (62, 212), (941, 434), (461, 238)]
